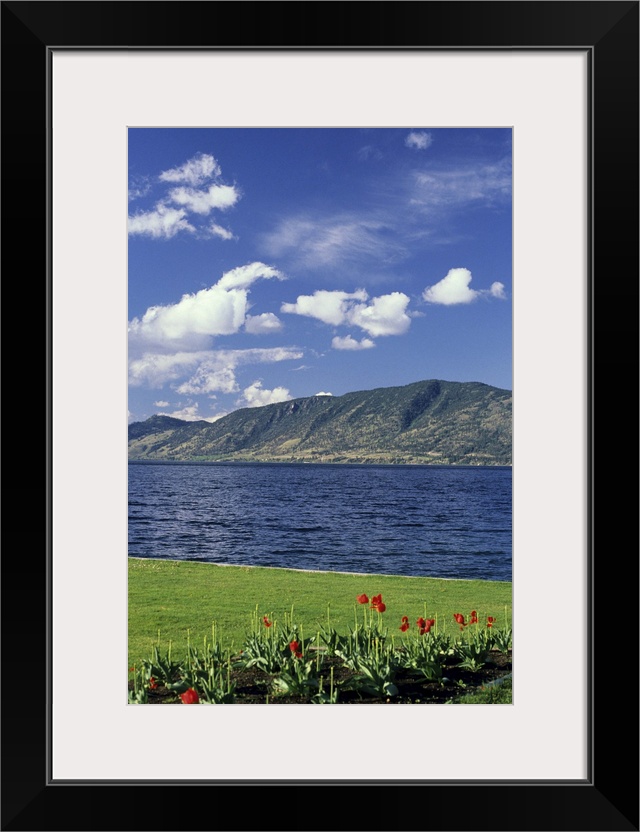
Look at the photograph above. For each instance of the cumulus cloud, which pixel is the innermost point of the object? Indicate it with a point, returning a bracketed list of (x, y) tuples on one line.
[(197, 170), (419, 139), (161, 404), (330, 307), (189, 413), (324, 394), (161, 222), (196, 318), (195, 194), (454, 289), (255, 396), (384, 315), (349, 343), (263, 324)]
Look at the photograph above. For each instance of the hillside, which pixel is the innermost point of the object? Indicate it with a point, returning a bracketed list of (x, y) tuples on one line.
[(437, 422)]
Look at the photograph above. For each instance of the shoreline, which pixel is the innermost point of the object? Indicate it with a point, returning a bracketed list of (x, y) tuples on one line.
[(317, 571)]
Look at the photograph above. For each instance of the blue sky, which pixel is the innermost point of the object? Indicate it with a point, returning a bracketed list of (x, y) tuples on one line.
[(270, 264)]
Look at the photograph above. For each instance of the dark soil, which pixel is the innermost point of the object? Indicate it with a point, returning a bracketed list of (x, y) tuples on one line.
[(252, 687)]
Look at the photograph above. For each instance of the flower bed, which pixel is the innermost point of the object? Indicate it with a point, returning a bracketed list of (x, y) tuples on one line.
[(419, 663)]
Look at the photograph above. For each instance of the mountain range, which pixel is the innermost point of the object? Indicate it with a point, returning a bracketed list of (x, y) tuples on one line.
[(428, 422)]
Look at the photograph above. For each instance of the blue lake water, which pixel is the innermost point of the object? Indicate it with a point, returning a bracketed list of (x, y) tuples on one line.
[(387, 519)]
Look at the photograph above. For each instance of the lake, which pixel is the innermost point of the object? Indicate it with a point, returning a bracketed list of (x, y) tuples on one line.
[(446, 522)]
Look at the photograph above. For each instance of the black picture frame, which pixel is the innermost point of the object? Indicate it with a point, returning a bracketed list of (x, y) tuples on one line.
[(608, 798)]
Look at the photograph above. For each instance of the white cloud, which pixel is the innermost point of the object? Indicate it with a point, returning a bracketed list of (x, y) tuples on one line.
[(262, 324), (368, 152), (161, 222), (196, 318), (330, 307), (197, 170), (202, 202), (320, 243), (452, 289), (196, 195), (349, 343), (219, 231), (324, 394), (161, 404), (190, 323), (243, 276), (256, 396), (385, 315), (189, 413), (216, 371), (419, 139), (456, 187)]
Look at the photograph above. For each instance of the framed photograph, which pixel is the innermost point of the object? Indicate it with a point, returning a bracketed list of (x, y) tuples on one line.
[(92, 87)]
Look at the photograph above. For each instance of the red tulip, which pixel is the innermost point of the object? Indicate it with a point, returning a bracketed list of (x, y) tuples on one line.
[(490, 620), (459, 619), (362, 599), (421, 622), (474, 617), (405, 619), (295, 649), (190, 697), (404, 626), (377, 603), (152, 683), (266, 621)]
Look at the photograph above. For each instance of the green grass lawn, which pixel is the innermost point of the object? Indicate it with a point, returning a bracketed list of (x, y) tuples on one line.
[(175, 598)]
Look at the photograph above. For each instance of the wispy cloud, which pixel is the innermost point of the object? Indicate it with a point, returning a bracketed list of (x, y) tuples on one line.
[(197, 170), (461, 186), (368, 152), (162, 222), (218, 231), (334, 241), (202, 372), (419, 139)]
